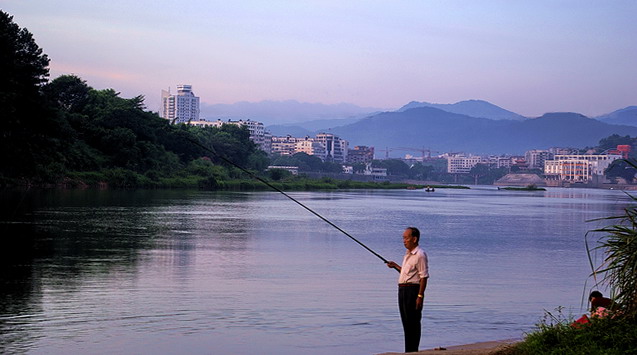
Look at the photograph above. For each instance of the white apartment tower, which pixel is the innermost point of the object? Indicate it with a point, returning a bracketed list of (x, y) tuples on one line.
[(180, 108), (335, 147)]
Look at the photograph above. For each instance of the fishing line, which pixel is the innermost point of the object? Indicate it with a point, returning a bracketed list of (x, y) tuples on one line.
[(286, 195)]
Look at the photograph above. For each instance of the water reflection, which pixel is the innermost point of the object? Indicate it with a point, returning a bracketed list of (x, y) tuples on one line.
[(175, 271), (60, 241)]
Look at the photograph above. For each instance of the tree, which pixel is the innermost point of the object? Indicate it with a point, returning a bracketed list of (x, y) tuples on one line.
[(25, 68), (420, 171), (611, 142), (478, 171), (27, 130), (308, 162), (279, 174), (621, 169), (393, 166), (68, 92), (258, 160)]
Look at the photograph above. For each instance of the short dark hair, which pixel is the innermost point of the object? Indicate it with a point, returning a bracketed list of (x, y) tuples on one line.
[(415, 233), (595, 294)]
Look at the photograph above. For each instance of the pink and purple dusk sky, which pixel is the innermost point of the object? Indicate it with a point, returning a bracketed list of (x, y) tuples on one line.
[(529, 57)]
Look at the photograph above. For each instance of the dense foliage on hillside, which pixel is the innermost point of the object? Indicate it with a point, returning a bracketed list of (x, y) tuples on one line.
[(64, 130), (95, 135)]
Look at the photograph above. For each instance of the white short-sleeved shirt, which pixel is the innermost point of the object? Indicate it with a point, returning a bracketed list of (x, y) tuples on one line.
[(415, 266)]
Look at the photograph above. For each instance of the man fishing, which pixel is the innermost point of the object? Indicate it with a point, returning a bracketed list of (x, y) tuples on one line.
[(412, 283)]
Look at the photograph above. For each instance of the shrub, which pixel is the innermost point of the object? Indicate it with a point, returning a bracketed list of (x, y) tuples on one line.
[(600, 336), (619, 268)]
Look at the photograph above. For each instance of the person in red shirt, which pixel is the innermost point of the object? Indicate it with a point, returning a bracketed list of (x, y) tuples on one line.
[(599, 304)]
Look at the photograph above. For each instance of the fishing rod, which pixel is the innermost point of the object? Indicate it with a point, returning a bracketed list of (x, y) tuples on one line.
[(286, 195)]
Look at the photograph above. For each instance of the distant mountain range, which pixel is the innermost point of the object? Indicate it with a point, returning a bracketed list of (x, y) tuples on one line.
[(625, 116), (284, 112), (438, 130), (473, 108), (471, 126), (301, 129)]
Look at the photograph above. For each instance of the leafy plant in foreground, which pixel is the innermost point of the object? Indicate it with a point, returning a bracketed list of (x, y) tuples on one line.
[(619, 267)]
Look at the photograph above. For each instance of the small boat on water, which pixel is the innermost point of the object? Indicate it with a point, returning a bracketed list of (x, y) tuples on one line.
[(430, 189)]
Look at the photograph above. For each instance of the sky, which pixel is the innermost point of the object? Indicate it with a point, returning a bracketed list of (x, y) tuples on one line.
[(529, 57)]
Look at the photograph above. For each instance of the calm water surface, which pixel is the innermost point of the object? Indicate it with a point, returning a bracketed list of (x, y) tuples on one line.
[(192, 272)]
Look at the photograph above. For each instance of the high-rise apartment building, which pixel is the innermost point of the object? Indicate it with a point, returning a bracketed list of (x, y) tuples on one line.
[(335, 147), (180, 108)]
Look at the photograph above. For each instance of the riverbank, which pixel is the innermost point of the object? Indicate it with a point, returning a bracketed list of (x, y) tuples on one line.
[(482, 348), (136, 181)]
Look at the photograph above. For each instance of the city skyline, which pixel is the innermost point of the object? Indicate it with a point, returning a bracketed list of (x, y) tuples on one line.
[(529, 58)]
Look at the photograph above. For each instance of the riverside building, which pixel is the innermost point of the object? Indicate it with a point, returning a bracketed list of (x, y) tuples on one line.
[(335, 147), (460, 164), (325, 146), (180, 108), (309, 146), (284, 145), (536, 158), (360, 155), (578, 168)]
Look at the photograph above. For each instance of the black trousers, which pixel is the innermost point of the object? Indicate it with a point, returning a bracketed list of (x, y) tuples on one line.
[(410, 316)]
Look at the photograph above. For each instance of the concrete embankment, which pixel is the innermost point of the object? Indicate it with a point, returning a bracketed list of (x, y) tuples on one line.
[(483, 348)]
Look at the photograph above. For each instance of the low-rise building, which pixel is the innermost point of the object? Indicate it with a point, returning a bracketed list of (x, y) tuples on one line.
[(326, 146), (284, 145), (578, 168), (292, 169), (377, 174), (309, 146), (460, 164), (535, 158), (623, 150), (563, 151), (360, 155), (499, 162)]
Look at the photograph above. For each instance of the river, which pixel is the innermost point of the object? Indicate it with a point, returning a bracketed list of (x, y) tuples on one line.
[(196, 272)]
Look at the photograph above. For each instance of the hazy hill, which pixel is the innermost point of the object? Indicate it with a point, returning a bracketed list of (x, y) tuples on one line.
[(473, 108), (284, 112), (300, 129), (625, 116), (432, 128), (284, 130)]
